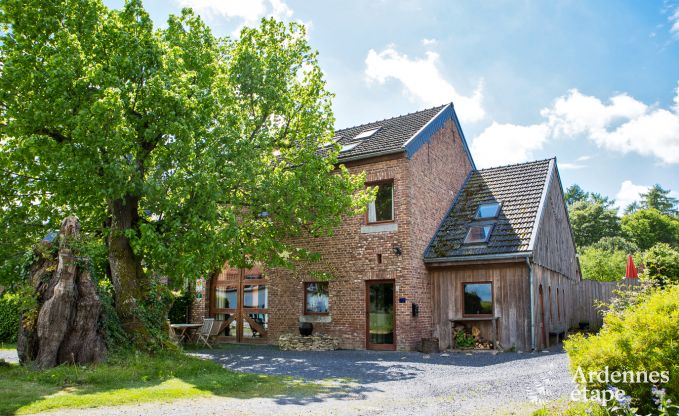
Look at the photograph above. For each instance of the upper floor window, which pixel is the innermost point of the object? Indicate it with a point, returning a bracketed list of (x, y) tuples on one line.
[(382, 209), (478, 233), (490, 210)]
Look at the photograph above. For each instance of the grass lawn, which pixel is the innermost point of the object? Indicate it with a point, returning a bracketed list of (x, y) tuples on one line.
[(568, 408), (137, 378), (6, 346)]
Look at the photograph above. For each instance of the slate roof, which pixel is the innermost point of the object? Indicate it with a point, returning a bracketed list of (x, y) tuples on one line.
[(393, 134), (518, 188)]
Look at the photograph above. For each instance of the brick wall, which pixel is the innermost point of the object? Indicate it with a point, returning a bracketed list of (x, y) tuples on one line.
[(424, 188), (436, 173)]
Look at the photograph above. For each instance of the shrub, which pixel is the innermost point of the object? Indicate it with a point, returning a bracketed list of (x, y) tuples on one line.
[(464, 340), (602, 265), (661, 263), (181, 304), (643, 338), (10, 314)]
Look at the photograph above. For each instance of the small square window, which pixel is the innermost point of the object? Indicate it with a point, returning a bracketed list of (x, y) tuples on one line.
[(316, 299), (478, 234), (490, 210), (382, 209), (478, 298)]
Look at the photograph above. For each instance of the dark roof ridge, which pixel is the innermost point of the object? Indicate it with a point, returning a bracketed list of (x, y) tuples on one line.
[(391, 118), (530, 162)]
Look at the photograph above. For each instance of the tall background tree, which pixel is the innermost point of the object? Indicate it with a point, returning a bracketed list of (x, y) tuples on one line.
[(182, 150), (649, 230), (593, 220)]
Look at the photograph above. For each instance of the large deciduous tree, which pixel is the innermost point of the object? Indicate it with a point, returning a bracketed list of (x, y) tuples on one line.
[(593, 220), (181, 148), (647, 227)]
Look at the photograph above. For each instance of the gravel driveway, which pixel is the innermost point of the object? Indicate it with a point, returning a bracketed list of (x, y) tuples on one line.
[(376, 383)]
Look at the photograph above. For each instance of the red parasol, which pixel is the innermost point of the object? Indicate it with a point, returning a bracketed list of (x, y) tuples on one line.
[(631, 272)]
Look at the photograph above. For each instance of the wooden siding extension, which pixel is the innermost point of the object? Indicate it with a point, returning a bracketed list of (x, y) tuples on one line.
[(554, 247), (511, 301), (566, 302)]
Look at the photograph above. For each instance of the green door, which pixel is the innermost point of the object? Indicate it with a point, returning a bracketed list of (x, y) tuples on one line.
[(381, 329)]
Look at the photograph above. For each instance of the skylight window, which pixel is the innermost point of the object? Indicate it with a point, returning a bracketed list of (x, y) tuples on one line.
[(490, 210), (478, 234), (347, 147), (366, 134)]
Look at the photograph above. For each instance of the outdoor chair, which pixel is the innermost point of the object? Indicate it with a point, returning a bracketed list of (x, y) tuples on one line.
[(205, 332)]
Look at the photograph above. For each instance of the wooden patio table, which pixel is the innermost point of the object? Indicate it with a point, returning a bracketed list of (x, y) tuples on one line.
[(183, 330)]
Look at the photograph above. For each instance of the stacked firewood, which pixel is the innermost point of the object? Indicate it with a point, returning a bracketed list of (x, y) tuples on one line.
[(480, 343)]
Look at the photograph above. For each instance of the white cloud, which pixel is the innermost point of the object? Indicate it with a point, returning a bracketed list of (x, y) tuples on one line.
[(628, 193), (502, 144), (583, 158), (429, 42), (674, 20), (571, 166), (623, 124), (249, 11), (422, 80)]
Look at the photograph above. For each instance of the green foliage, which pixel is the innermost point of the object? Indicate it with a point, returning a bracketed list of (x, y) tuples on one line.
[(616, 244), (9, 317), (152, 311), (575, 193), (661, 264), (647, 227), (13, 305), (464, 340), (114, 335), (658, 198), (591, 221), (560, 408), (640, 338), (214, 142), (181, 304), (602, 265)]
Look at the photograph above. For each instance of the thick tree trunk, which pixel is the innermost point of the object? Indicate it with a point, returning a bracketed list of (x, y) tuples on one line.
[(65, 328), (128, 277)]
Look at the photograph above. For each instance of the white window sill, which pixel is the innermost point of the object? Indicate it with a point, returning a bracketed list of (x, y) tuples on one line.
[(315, 318), (379, 228)]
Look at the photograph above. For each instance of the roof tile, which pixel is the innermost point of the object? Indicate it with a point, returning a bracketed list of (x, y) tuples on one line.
[(517, 187)]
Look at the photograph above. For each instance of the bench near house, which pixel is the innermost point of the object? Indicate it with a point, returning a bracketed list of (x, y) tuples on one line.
[(443, 244)]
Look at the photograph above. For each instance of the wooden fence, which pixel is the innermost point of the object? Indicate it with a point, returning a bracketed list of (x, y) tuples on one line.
[(588, 293)]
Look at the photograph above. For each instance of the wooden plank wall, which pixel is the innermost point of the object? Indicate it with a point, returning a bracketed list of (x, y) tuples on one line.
[(554, 246), (511, 301), (589, 293), (577, 300)]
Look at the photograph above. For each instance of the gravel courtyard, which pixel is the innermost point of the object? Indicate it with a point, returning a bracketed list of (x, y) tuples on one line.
[(376, 383)]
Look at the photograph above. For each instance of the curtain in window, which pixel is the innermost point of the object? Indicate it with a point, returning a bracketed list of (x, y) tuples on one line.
[(372, 213)]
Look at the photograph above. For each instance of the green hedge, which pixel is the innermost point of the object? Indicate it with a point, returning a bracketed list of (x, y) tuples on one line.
[(10, 313), (641, 338)]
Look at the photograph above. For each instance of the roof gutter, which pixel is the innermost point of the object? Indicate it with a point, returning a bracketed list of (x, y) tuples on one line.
[(481, 257), (369, 155)]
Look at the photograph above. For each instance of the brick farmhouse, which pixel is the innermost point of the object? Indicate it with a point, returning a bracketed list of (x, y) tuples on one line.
[(444, 247)]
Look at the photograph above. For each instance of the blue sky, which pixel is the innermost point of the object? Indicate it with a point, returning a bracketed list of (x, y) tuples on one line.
[(593, 83)]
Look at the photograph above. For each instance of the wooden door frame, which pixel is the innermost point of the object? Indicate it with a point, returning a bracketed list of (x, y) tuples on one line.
[(239, 312), (368, 345)]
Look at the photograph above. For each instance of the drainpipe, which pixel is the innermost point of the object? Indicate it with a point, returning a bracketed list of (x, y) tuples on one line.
[(532, 304)]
